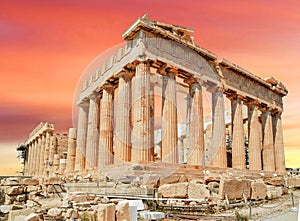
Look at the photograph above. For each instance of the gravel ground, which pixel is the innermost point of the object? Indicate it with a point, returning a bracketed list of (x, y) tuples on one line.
[(275, 210)]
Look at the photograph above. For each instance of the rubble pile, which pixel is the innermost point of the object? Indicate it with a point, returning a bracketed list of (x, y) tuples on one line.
[(53, 199), (32, 199)]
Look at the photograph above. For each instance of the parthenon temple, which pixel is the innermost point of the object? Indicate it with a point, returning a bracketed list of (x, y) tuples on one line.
[(158, 66)]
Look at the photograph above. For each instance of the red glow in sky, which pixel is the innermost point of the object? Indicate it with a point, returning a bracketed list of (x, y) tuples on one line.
[(46, 45)]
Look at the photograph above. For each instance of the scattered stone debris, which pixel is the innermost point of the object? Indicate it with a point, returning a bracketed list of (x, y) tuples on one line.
[(56, 198)]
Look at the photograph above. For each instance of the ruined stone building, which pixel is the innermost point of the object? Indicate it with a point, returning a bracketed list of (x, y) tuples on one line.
[(46, 151), (159, 55)]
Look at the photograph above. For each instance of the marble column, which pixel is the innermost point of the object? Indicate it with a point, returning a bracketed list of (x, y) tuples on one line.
[(106, 127), (123, 131), (26, 160), (217, 146), (278, 143), (180, 150), (46, 154), (52, 152), (41, 156), (81, 137), (188, 99), (196, 126), (30, 150), (254, 137), (37, 158), (92, 134), (34, 156), (268, 145), (238, 144), (71, 151), (142, 145), (169, 119), (56, 162)]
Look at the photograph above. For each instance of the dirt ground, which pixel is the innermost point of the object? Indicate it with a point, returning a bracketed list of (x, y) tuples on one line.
[(277, 209)]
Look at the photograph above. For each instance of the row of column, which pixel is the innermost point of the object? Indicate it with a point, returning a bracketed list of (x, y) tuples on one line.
[(265, 143), (43, 156), (40, 155), (134, 138), (95, 123)]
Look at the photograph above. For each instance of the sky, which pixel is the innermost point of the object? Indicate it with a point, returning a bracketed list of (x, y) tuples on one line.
[(46, 45)]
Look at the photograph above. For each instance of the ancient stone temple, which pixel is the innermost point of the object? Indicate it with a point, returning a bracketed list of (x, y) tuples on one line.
[(159, 54), (117, 105), (46, 151)]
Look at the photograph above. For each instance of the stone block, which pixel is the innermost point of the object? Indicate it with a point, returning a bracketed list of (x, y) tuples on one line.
[(234, 188), (14, 190), (293, 182), (22, 212), (29, 182), (28, 189), (197, 191), (54, 212), (54, 180), (123, 212), (151, 180), (176, 190), (10, 199), (173, 178), (274, 192), (50, 203), (54, 189), (106, 212), (274, 181), (258, 190), (212, 177), (21, 198), (10, 182), (32, 217), (20, 218)]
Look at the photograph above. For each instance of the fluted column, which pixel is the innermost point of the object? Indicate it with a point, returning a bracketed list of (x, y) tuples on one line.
[(30, 150), (268, 145), (180, 150), (123, 132), (38, 154), (81, 136), (169, 120), (34, 156), (92, 134), (46, 153), (71, 151), (41, 156), (238, 144), (56, 159), (278, 143), (52, 152), (142, 140), (196, 126), (106, 127), (254, 137), (218, 142)]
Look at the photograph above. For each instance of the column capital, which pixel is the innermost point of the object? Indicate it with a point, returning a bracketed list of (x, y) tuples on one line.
[(235, 96), (191, 81), (108, 87), (216, 89), (84, 103), (250, 102), (126, 74), (167, 70), (93, 96)]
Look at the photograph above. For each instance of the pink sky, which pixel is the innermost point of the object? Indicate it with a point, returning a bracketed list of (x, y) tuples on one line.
[(46, 45)]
